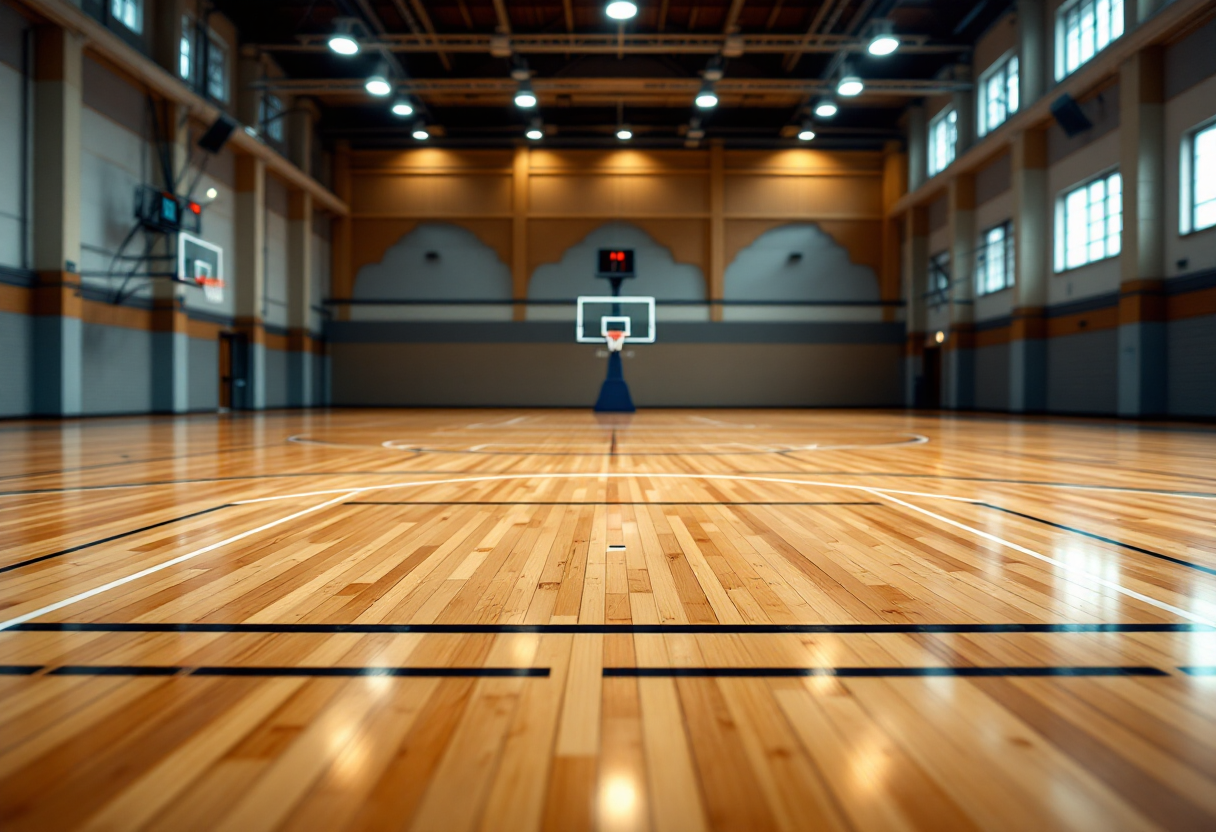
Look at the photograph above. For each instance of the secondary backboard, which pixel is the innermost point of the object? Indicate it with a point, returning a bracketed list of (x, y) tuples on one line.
[(598, 315), (201, 263)]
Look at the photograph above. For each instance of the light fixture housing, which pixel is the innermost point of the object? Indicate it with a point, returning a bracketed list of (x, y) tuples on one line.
[(707, 99), (882, 40), (212, 193), (826, 108), (536, 130), (806, 133), (624, 133), (342, 41), (525, 98), (402, 108), (850, 83), (377, 83), (420, 132), (621, 10)]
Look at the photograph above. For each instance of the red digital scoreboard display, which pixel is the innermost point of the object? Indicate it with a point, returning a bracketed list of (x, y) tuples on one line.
[(616, 261)]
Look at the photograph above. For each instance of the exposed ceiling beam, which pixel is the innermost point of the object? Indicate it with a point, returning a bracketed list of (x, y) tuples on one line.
[(622, 87), (772, 16), (662, 23), (634, 44), (732, 16), (420, 10), (791, 60), (568, 9), (504, 20), (464, 14)]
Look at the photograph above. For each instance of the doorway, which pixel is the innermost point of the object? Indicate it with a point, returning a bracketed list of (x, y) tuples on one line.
[(234, 370), (931, 381)]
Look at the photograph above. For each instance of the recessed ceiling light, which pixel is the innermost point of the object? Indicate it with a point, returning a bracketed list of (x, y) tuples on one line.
[(402, 107), (420, 132), (624, 133), (806, 133), (536, 130), (883, 41), (621, 10), (707, 98)]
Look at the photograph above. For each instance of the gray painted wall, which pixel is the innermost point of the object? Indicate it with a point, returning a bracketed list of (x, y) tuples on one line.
[(466, 268), (276, 378), (16, 341), (204, 374), (992, 377), (658, 274), (116, 371), (1191, 344), (1082, 372), (819, 270), (661, 375)]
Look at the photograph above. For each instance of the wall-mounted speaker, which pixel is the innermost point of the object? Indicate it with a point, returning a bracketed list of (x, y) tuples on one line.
[(1069, 116), (217, 134)]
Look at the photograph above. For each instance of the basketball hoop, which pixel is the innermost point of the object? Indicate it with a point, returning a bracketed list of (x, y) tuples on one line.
[(616, 339)]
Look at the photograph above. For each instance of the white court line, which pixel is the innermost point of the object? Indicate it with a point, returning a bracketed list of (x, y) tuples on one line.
[(1109, 584), (21, 619), (605, 474)]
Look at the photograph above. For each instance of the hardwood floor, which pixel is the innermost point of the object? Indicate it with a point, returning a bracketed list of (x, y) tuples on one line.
[(680, 620)]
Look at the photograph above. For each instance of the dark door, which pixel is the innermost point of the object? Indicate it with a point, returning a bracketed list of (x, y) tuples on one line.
[(234, 370), (931, 382)]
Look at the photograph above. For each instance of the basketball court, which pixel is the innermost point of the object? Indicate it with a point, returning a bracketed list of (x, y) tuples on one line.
[(674, 416)]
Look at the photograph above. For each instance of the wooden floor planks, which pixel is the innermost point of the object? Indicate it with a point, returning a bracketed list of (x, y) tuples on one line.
[(661, 576)]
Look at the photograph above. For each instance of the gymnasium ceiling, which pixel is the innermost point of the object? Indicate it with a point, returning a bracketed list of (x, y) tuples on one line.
[(455, 58)]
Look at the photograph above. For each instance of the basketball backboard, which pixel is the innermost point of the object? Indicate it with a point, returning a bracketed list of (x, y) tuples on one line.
[(201, 263), (599, 315)]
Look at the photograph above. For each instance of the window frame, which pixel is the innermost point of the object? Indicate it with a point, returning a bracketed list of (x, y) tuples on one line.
[(271, 118), (1000, 67), (1008, 259), (216, 46), (1114, 22), (948, 116), (1188, 178), (938, 279), (1062, 226)]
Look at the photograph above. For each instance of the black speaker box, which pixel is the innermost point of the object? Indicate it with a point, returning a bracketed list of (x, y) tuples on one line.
[(217, 134), (1069, 116)]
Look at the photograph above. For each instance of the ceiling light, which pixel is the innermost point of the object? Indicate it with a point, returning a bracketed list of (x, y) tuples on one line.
[(621, 10), (377, 83), (536, 130), (707, 98), (342, 41), (525, 98), (402, 107), (624, 133), (826, 108), (806, 133), (850, 84), (212, 193), (883, 41), (420, 132)]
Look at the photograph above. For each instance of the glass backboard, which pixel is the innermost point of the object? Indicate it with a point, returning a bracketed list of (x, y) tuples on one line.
[(597, 315)]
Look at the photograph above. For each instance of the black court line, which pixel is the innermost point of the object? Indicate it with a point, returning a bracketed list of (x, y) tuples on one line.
[(310, 672), (109, 539), (598, 629), (996, 480), (133, 462), (19, 669), (601, 503), (877, 672), (1189, 564), (120, 485), (1198, 671)]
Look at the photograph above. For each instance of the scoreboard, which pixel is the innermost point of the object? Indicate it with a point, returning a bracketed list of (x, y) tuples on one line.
[(616, 262)]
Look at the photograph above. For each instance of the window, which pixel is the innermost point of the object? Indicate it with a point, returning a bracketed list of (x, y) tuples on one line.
[(129, 13), (185, 58), (217, 69), (939, 279), (1083, 29), (1199, 180), (272, 116), (998, 94), (994, 260), (943, 135), (1089, 223)]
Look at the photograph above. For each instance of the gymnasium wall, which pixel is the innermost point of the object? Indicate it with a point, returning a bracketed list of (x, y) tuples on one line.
[(742, 249), (118, 321)]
